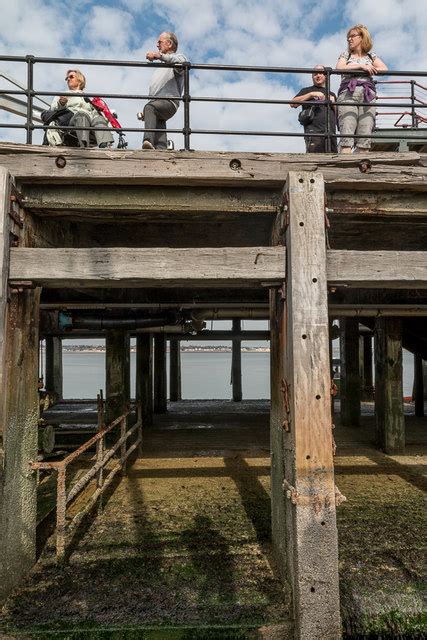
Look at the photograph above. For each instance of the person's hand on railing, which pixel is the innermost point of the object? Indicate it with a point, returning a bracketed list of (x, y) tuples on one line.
[(63, 100)]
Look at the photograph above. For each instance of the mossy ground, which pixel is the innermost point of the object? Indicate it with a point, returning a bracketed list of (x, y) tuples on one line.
[(181, 548)]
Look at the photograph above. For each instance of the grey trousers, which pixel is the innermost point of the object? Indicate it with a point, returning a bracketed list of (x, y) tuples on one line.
[(85, 119), (354, 119), (156, 113)]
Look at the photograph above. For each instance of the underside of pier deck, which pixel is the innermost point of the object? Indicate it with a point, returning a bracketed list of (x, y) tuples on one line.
[(120, 243)]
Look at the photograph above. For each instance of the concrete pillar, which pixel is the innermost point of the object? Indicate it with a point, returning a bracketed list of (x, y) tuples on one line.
[(390, 422), (117, 378), (19, 399), (175, 392), (160, 382), (144, 376), (236, 363), (350, 378), (54, 377), (418, 392)]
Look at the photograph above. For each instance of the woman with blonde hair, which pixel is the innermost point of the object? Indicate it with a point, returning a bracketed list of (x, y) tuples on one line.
[(355, 118), (81, 112)]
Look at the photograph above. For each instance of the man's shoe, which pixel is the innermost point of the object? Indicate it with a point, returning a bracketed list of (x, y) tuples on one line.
[(105, 145), (147, 145)]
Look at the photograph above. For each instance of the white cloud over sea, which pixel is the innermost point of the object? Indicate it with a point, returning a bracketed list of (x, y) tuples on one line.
[(232, 32)]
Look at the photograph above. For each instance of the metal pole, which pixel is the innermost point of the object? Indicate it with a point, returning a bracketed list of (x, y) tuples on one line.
[(328, 106), (100, 442), (30, 92), (186, 99), (414, 118)]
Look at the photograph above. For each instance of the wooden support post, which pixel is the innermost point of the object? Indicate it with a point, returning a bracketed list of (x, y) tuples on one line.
[(350, 377), (367, 373), (54, 377), (236, 362), (19, 318), (418, 386), (117, 379), (144, 376), (390, 422), (175, 370), (160, 383), (302, 459)]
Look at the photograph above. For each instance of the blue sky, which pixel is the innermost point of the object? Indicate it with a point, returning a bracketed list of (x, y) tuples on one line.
[(287, 33)]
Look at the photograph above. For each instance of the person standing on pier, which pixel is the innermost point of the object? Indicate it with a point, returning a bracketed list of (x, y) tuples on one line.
[(359, 90), (166, 85), (313, 117)]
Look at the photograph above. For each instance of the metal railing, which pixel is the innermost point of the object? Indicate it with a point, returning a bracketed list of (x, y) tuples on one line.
[(187, 99), (101, 458)]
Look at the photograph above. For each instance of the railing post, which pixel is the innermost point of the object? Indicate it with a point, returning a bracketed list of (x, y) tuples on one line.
[(413, 114), (100, 442), (61, 505), (186, 99), (30, 92), (328, 115)]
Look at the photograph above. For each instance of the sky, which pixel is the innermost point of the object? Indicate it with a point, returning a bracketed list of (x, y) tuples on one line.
[(285, 33)]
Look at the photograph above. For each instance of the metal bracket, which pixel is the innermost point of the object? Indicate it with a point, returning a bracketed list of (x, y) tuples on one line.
[(291, 492), (284, 386)]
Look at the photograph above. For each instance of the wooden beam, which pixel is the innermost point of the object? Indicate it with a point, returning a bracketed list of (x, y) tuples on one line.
[(144, 377), (390, 421), (54, 377), (309, 475), (38, 163), (236, 361), (160, 376), (4, 271), (117, 374), (175, 392), (419, 386), (154, 267), (377, 269), (350, 377)]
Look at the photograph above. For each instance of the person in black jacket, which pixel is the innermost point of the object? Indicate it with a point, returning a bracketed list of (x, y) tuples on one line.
[(313, 117)]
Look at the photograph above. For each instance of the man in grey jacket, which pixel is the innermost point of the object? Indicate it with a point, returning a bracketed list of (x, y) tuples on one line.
[(166, 81)]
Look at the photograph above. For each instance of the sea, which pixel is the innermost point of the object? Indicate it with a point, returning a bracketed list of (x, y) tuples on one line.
[(204, 375)]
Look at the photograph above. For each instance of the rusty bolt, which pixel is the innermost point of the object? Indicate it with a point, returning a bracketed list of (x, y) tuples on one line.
[(365, 166), (60, 162), (235, 164)]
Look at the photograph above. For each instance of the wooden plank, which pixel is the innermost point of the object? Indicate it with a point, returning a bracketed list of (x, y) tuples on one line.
[(232, 266), (204, 168), (54, 377), (389, 417), (378, 269), (350, 377), (309, 478), (175, 392), (117, 374), (236, 361)]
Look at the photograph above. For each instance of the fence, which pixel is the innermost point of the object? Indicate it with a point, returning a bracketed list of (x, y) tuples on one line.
[(101, 458), (414, 106)]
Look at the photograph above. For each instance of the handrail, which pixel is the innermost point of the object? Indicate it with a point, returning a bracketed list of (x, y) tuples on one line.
[(187, 99), (102, 457)]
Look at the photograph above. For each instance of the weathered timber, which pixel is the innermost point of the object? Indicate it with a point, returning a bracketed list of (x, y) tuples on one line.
[(419, 386), (366, 368), (153, 267), (309, 478), (236, 361), (378, 269), (144, 377), (207, 168), (160, 378), (4, 271), (18, 485), (350, 390), (175, 370), (390, 421), (54, 378), (117, 374)]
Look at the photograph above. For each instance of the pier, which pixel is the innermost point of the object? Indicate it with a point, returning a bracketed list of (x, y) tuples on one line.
[(151, 245)]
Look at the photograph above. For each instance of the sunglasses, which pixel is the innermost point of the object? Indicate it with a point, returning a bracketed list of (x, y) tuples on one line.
[(70, 77)]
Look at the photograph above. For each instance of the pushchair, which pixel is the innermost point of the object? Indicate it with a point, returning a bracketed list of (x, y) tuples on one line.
[(54, 136)]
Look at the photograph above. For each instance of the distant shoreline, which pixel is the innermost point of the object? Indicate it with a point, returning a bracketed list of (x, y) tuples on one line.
[(207, 349)]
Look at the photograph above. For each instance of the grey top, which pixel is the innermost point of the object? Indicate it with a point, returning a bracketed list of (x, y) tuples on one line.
[(353, 59), (167, 81)]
